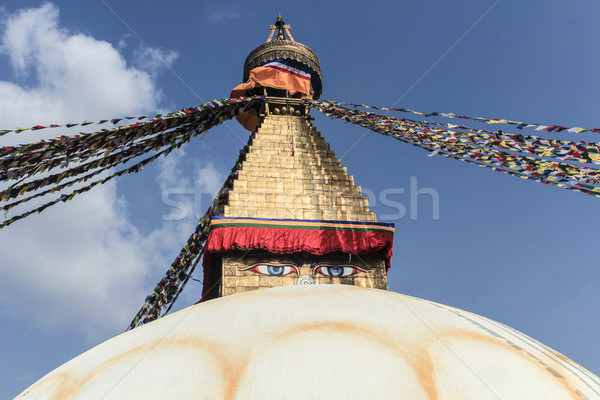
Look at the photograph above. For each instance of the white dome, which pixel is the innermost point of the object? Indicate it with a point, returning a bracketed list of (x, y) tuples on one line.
[(319, 342)]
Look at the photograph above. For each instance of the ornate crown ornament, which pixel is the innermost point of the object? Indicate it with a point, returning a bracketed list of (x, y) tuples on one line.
[(284, 47)]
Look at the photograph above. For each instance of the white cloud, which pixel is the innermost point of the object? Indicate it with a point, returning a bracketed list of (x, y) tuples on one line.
[(188, 198), (123, 41), (218, 15), (66, 77), (176, 188), (74, 262), (189, 206), (170, 174), (154, 59), (81, 264), (209, 178)]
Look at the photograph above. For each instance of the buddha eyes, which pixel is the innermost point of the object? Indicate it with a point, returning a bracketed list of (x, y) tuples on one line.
[(272, 269), (275, 269), (338, 270)]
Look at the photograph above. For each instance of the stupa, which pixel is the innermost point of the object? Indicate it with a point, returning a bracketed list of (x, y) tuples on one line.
[(296, 304)]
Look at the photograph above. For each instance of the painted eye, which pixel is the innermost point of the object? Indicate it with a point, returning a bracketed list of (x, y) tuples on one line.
[(337, 270), (271, 269)]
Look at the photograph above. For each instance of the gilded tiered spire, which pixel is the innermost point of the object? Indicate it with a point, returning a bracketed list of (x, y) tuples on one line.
[(290, 172)]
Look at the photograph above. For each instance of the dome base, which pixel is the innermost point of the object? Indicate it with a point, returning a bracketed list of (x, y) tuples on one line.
[(319, 341)]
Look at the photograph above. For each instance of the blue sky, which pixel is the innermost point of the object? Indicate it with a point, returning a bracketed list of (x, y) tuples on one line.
[(516, 251)]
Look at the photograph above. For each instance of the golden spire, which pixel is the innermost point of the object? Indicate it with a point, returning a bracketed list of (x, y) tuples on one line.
[(282, 27), (284, 47)]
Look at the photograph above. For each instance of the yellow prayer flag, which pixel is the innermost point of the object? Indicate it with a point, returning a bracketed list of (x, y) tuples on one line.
[(594, 156)]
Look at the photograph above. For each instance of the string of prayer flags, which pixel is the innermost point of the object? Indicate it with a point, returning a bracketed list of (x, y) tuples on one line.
[(498, 152), (172, 284), (114, 121), (562, 149), (135, 168), (104, 163), (517, 124), (17, 162), (94, 153)]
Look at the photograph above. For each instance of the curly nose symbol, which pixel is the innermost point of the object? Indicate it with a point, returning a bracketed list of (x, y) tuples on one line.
[(306, 280)]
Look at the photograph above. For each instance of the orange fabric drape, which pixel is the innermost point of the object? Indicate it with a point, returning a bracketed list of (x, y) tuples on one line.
[(273, 78)]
